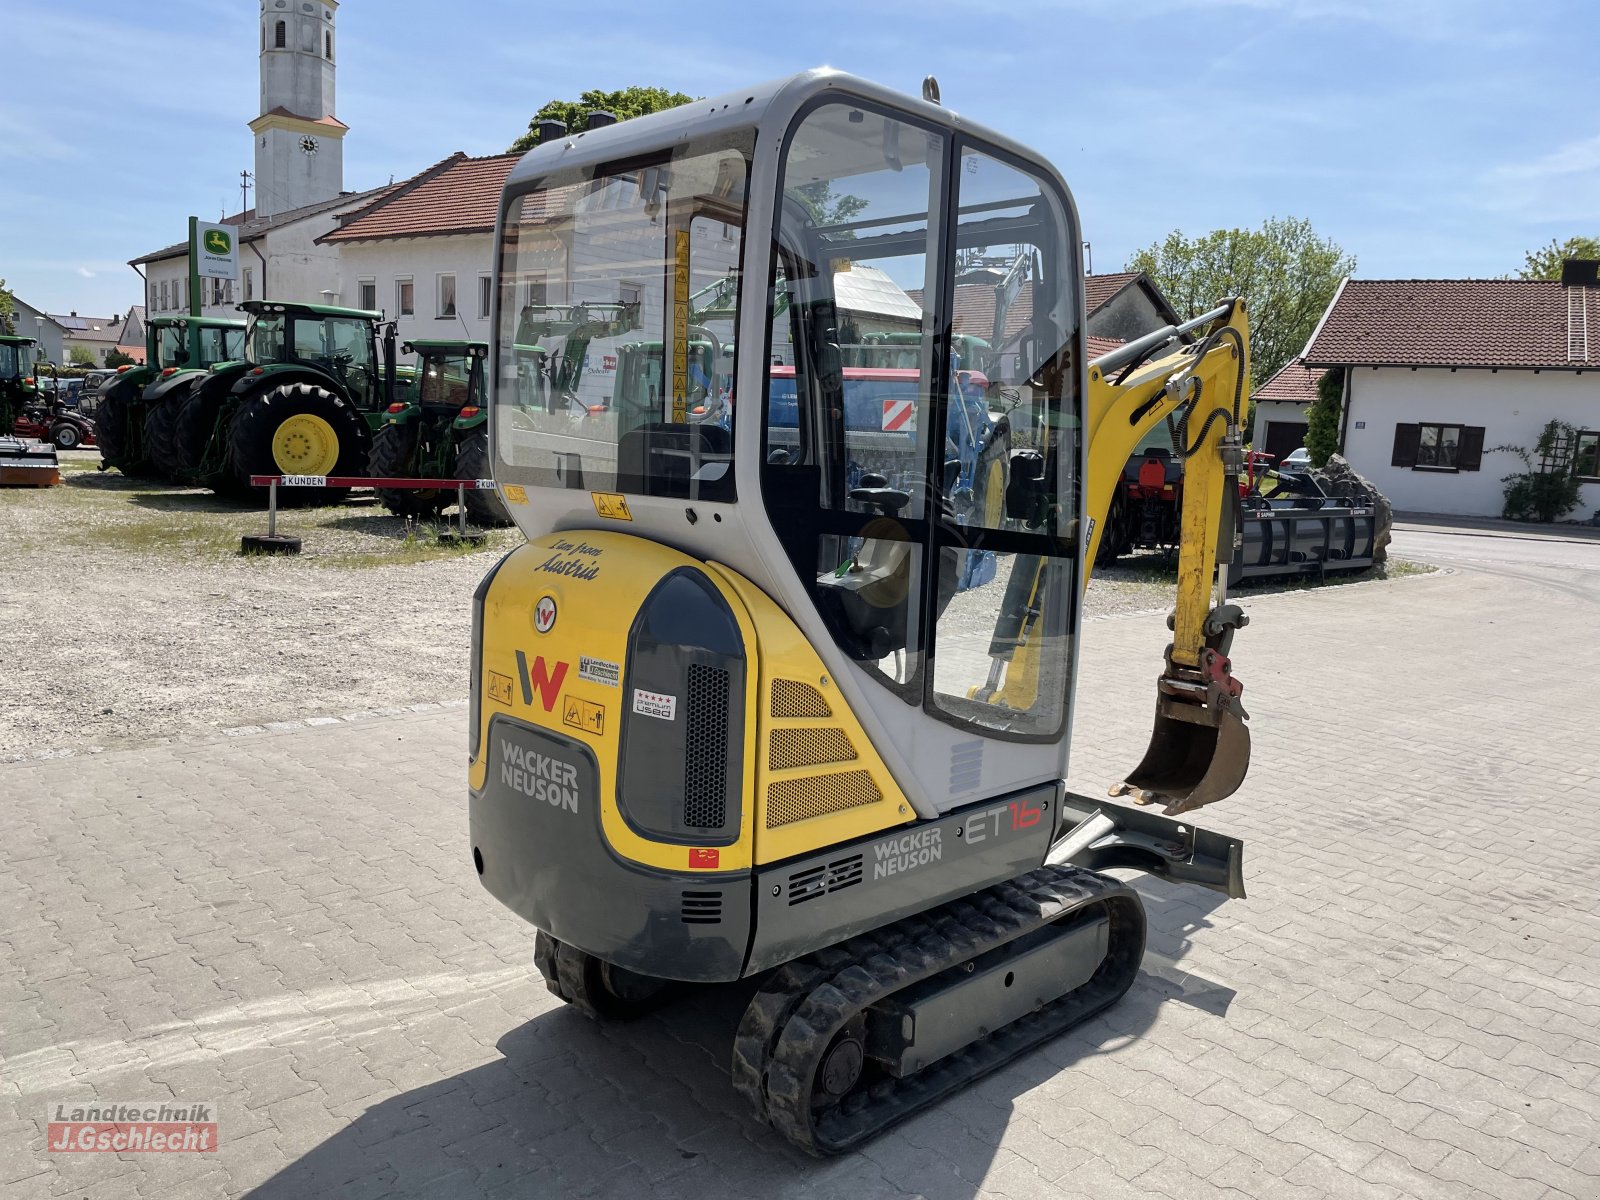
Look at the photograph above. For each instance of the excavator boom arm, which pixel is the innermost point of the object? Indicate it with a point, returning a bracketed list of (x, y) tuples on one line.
[(1200, 748)]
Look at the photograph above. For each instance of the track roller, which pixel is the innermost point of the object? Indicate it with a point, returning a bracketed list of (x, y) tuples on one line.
[(842, 1044)]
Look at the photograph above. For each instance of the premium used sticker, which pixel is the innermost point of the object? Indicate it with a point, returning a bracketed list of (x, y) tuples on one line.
[(655, 704)]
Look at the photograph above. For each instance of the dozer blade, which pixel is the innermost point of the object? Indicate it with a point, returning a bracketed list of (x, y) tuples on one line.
[(1200, 747)]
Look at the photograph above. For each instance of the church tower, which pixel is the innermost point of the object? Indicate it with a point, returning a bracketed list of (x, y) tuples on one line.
[(299, 142)]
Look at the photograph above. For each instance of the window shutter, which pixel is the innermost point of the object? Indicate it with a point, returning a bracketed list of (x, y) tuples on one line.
[(1406, 438), (1470, 456)]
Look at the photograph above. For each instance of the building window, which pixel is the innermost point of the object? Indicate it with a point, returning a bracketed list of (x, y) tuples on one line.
[(447, 296), (1586, 457), (327, 46), (163, 295), (534, 290), (249, 285), (485, 296), (404, 297), (368, 290), (280, 35), (1434, 447)]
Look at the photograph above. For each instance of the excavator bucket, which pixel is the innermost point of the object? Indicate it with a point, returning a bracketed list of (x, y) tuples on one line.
[(26, 462), (1200, 747)]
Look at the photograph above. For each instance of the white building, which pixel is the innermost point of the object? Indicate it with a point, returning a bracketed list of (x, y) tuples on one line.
[(1437, 373), (1281, 405), (299, 178), (28, 321), (280, 258), (422, 253)]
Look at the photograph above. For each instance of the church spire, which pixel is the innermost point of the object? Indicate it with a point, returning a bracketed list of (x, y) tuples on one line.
[(298, 140)]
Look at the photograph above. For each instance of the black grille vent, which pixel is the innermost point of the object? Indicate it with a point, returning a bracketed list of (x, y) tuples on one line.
[(830, 877), (705, 751), (702, 908)]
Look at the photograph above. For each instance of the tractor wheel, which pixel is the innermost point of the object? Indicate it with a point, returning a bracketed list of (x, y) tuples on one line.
[(193, 425), (298, 429), (394, 455), (472, 462), (115, 429), (66, 436), (1114, 539), (161, 434)]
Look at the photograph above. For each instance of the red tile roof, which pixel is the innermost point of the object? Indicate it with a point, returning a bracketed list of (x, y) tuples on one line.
[(1099, 290), (457, 195), (1296, 382), (330, 121), (1505, 323), (975, 305), (1096, 346)]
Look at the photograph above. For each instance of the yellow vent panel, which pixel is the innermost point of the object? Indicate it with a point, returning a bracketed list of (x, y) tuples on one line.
[(791, 698), (791, 800), (791, 748)]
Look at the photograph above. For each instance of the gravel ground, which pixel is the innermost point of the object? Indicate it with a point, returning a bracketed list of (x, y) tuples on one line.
[(131, 617)]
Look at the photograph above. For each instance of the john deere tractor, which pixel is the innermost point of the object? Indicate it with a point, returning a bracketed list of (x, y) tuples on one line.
[(315, 382), (133, 412), (438, 429), (19, 387)]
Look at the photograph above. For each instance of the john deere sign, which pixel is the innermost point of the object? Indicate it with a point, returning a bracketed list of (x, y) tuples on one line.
[(215, 254)]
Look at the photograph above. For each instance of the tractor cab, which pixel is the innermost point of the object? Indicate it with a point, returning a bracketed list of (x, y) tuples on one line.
[(342, 342), (185, 343), (19, 384), (896, 455), (447, 375)]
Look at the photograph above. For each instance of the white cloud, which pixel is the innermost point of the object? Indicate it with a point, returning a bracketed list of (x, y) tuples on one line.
[(86, 273), (1562, 185)]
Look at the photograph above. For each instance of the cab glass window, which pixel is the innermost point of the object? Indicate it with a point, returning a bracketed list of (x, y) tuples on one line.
[(617, 372), (922, 413)]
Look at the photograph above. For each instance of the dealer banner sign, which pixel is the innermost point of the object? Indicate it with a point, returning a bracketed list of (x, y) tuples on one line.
[(215, 250)]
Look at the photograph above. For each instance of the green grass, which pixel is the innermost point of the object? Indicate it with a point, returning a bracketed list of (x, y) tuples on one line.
[(110, 511)]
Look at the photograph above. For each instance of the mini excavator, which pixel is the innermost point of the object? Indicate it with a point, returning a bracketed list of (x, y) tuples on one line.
[(737, 711)]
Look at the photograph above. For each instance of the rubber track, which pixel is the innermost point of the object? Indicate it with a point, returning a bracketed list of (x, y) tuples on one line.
[(790, 1024), (575, 977)]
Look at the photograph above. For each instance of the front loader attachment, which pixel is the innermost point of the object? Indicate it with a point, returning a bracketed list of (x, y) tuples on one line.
[(27, 462), (1200, 747)]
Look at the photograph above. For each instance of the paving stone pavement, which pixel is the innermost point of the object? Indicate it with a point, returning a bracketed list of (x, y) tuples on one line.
[(288, 924)]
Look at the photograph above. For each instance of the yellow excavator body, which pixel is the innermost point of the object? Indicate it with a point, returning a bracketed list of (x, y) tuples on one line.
[(781, 684)]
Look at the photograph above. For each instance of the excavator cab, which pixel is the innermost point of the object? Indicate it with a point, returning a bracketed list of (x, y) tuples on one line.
[(760, 685)]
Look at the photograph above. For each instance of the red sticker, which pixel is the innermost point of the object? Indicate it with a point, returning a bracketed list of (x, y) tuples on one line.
[(704, 858)]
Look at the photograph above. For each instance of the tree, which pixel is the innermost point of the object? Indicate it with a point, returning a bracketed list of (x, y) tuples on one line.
[(625, 104), (1322, 418), (1285, 272), (8, 309), (1545, 263), (79, 356)]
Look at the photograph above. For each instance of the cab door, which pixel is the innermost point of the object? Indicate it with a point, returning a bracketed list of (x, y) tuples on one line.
[(921, 456)]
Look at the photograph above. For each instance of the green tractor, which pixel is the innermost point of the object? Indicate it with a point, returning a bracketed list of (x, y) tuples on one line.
[(19, 385), (315, 384), (134, 412), (438, 429)]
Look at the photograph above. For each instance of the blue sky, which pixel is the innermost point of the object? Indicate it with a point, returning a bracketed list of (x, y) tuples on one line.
[(1428, 137)]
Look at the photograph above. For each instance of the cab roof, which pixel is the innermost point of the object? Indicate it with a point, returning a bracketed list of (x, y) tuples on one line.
[(203, 322), (447, 346), (16, 339), (779, 100), (272, 308)]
